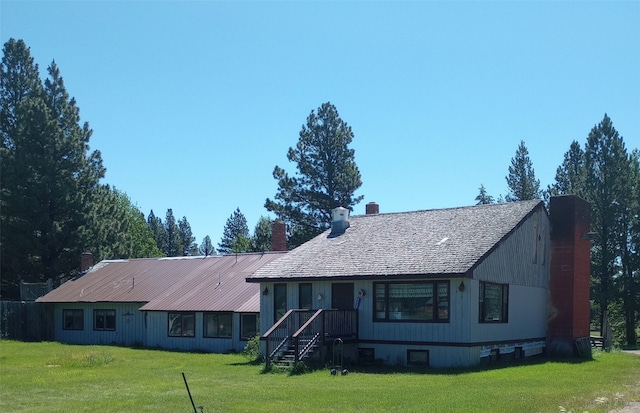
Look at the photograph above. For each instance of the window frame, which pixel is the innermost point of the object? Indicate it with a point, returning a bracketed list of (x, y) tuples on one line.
[(307, 294), (217, 323), (503, 304), (182, 315), (106, 314), (411, 352), (256, 316), (438, 317), (73, 312)]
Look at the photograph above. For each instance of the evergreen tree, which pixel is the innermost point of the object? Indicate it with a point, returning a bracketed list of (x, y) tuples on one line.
[(173, 243), (521, 180), (138, 239), (605, 161), (628, 281), (49, 178), (483, 198), (326, 176), (206, 247), (186, 238), (570, 175), (240, 244), (157, 229), (236, 225), (261, 240)]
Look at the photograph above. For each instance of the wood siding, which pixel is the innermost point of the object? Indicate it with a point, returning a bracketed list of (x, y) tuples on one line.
[(129, 331), (522, 258), (157, 336)]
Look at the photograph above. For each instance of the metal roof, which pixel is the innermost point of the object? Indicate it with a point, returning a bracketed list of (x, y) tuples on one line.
[(436, 242), (213, 283)]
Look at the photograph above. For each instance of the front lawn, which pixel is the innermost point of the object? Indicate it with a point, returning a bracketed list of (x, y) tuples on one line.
[(53, 377)]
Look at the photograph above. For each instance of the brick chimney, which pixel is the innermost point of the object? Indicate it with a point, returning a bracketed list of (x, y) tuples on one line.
[(569, 274), (86, 261), (372, 208), (278, 236)]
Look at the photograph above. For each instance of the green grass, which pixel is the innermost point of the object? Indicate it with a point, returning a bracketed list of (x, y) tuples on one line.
[(52, 377)]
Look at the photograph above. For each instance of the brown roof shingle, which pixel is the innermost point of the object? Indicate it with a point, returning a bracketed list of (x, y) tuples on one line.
[(431, 242)]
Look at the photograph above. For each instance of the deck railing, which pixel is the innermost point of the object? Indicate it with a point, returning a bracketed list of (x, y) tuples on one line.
[(303, 329)]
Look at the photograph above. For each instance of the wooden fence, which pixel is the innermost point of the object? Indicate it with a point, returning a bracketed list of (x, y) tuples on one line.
[(25, 321)]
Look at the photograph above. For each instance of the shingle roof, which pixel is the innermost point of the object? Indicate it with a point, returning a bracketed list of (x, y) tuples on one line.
[(432, 242), (214, 283)]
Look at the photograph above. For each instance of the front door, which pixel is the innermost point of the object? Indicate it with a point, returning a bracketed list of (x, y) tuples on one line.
[(342, 297)]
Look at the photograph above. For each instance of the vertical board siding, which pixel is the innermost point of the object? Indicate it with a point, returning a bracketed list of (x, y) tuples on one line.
[(527, 316), (158, 335), (522, 258), (129, 324)]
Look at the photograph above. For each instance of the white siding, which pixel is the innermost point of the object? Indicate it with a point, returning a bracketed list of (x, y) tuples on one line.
[(129, 324)]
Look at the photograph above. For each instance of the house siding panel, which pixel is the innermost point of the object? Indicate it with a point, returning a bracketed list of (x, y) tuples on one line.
[(157, 336), (523, 322), (511, 263), (129, 324)]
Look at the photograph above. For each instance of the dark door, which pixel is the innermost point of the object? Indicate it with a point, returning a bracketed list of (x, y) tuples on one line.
[(279, 301), (342, 297)]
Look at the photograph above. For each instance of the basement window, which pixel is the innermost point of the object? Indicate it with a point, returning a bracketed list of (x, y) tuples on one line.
[(218, 325), (182, 325), (494, 303), (412, 301), (418, 358), (73, 319), (104, 320)]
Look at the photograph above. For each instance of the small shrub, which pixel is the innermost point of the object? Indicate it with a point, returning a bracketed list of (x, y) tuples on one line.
[(252, 349)]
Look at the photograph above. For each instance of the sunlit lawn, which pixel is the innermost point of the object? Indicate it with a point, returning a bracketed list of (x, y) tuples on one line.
[(52, 377)]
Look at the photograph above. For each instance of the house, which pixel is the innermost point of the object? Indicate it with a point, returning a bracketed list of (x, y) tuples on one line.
[(443, 287), (186, 303)]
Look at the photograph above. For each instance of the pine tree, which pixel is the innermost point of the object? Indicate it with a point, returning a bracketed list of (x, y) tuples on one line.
[(206, 247), (521, 180), (326, 176), (157, 229), (173, 245), (49, 178), (570, 175), (605, 169), (235, 226), (261, 240), (483, 198), (186, 238)]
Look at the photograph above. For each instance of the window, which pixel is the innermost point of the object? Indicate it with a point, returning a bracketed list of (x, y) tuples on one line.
[(417, 301), (182, 325), (279, 301), (494, 303), (304, 296), (218, 325), (72, 319), (249, 326), (104, 320), (418, 357)]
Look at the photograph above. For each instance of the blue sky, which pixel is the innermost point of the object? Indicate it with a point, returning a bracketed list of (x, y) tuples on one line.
[(193, 103)]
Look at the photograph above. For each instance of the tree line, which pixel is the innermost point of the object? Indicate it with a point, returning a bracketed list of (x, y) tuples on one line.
[(53, 206), (607, 175)]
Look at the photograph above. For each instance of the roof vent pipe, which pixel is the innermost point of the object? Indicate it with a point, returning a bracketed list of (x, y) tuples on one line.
[(339, 220)]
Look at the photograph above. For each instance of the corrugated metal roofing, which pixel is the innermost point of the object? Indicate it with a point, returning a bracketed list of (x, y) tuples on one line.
[(432, 242), (213, 283)]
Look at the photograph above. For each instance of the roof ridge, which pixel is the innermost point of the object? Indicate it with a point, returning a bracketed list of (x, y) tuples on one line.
[(501, 204)]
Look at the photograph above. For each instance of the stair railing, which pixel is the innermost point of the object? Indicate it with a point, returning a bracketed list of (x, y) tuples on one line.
[(278, 336)]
